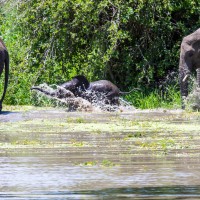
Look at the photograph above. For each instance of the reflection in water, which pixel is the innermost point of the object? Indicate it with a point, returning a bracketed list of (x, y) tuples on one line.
[(56, 178), (150, 193)]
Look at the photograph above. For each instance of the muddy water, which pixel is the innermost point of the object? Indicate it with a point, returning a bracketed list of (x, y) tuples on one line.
[(53, 154)]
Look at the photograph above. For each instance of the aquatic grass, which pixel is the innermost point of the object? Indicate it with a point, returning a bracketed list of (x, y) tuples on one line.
[(103, 163), (161, 135), (162, 144), (80, 120), (138, 134), (26, 142), (107, 163), (76, 143), (88, 163), (63, 124)]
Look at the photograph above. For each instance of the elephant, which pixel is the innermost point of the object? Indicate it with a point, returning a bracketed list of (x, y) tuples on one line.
[(78, 92), (4, 61), (189, 62), (80, 86)]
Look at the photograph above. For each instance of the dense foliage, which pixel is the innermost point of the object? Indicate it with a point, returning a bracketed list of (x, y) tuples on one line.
[(133, 43)]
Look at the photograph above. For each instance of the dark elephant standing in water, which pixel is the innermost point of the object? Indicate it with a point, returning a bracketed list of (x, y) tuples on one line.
[(189, 61), (4, 61)]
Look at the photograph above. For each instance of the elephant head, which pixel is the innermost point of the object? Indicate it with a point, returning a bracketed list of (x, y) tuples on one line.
[(78, 84), (4, 61), (189, 61)]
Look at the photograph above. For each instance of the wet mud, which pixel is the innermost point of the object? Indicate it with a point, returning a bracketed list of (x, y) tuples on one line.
[(134, 154)]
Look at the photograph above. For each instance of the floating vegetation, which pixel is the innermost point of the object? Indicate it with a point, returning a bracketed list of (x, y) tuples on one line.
[(103, 136), (103, 163), (76, 143)]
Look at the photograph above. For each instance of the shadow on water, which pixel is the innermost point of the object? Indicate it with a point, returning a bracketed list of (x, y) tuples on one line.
[(150, 193), (5, 112), (167, 192), (10, 116)]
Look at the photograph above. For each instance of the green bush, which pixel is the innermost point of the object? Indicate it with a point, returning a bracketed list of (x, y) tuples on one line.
[(132, 43)]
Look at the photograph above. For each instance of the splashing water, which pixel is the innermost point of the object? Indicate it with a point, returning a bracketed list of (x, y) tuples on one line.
[(62, 99), (192, 102), (91, 101)]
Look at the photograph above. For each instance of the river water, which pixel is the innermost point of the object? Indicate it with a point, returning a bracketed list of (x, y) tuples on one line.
[(53, 154)]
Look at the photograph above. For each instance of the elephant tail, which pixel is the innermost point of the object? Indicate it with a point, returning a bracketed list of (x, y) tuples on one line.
[(124, 93)]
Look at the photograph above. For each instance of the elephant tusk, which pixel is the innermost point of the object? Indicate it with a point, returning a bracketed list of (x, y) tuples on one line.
[(185, 78)]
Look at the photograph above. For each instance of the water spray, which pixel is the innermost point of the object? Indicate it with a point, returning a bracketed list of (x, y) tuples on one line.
[(198, 77)]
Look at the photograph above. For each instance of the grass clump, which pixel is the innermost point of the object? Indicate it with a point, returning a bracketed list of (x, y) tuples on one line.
[(170, 98), (103, 163), (26, 142)]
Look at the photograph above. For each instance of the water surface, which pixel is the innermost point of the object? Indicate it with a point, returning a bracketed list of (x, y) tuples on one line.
[(53, 154)]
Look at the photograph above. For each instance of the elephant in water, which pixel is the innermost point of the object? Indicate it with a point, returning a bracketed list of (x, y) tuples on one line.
[(4, 61), (102, 93), (189, 61), (80, 86)]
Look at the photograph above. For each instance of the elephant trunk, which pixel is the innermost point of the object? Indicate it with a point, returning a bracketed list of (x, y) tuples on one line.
[(185, 66), (60, 92), (46, 92), (198, 77), (6, 76)]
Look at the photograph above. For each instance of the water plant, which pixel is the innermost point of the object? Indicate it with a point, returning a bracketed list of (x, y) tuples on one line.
[(107, 163), (103, 163), (80, 120)]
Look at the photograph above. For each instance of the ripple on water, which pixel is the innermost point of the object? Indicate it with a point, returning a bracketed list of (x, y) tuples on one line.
[(54, 154)]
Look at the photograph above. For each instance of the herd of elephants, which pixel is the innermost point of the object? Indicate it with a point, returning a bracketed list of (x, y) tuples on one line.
[(79, 86)]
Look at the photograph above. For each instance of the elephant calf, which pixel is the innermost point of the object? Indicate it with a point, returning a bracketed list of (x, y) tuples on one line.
[(98, 93), (104, 89)]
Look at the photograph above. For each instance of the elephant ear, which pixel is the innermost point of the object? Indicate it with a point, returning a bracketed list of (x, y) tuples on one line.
[(81, 81)]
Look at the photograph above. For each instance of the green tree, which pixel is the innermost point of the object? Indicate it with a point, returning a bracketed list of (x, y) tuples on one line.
[(130, 42)]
